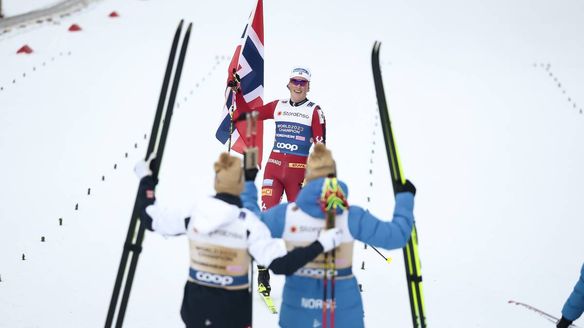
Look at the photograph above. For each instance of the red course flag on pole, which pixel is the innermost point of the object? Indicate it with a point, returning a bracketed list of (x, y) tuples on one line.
[(248, 61)]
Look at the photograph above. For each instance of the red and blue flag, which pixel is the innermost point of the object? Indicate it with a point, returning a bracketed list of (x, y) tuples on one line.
[(248, 61)]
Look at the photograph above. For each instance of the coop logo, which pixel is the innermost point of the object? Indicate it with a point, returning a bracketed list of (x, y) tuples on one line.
[(283, 145), (312, 272), (214, 278)]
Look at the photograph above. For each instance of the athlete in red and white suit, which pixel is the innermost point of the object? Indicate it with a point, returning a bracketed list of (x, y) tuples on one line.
[(299, 123)]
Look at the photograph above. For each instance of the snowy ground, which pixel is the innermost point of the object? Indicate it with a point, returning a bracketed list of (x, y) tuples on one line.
[(17, 7), (486, 102)]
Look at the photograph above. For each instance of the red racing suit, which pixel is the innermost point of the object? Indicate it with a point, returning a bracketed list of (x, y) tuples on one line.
[(298, 126)]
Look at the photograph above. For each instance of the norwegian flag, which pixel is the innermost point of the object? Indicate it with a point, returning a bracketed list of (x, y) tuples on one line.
[(248, 60)]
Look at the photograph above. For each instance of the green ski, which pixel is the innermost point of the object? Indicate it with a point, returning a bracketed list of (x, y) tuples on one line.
[(267, 299), (411, 255)]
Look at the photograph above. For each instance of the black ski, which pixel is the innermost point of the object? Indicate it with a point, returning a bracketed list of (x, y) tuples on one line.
[(135, 235), (411, 256)]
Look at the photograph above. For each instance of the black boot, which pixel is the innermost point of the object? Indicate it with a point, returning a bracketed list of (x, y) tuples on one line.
[(264, 280)]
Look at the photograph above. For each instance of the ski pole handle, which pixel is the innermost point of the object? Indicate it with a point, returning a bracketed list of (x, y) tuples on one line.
[(251, 158)]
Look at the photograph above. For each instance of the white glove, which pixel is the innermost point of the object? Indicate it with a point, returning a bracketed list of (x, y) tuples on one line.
[(142, 168), (330, 239)]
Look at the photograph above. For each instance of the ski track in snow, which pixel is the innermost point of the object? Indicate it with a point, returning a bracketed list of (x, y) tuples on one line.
[(571, 100)]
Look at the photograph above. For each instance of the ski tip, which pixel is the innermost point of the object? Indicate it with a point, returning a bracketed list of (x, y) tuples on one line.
[(376, 44), (375, 52)]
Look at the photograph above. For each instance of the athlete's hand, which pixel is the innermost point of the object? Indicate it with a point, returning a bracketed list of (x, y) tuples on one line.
[(250, 174), (406, 187), (564, 323), (330, 239), (234, 82), (250, 163), (144, 168)]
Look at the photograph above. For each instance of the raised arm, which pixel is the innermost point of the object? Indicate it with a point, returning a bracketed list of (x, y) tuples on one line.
[(266, 111), (249, 197), (274, 218), (393, 234), (574, 306), (154, 217)]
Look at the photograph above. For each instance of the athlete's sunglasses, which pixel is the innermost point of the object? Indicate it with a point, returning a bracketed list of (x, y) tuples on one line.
[(299, 82)]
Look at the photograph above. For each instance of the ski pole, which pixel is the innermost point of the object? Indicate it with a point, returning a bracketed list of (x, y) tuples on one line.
[(332, 197), (387, 259), (233, 107)]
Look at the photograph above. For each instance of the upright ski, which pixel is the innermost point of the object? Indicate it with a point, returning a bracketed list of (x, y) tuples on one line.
[(411, 256), (135, 235)]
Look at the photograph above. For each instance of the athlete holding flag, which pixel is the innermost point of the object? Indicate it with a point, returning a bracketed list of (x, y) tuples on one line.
[(299, 124)]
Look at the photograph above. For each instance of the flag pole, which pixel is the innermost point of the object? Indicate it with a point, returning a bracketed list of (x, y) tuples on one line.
[(232, 109)]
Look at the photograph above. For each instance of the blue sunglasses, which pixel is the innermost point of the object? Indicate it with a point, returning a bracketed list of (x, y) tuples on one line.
[(299, 82)]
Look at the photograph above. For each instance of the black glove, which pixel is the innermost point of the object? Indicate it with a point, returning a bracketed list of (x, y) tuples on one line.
[(146, 197), (406, 187), (145, 167), (564, 323), (251, 172), (234, 82), (264, 280), (239, 116), (154, 166)]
